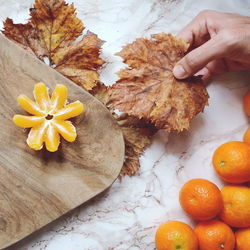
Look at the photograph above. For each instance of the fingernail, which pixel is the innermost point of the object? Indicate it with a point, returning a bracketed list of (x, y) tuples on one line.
[(179, 71)]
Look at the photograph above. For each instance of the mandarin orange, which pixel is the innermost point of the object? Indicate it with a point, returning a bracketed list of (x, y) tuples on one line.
[(243, 239), (175, 235), (201, 199), (246, 137), (231, 161), (214, 235), (246, 102), (236, 205)]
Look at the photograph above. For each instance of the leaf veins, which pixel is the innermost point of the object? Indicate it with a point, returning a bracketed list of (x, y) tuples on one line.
[(51, 32), (147, 88)]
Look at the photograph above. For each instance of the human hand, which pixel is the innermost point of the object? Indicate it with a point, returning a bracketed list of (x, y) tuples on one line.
[(219, 42)]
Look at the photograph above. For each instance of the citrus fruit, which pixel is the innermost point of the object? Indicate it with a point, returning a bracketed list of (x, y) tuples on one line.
[(214, 235), (231, 161), (243, 239), (201, 199), (49, 117), (236, 205), (246, 102), (246, 137), (175, 235)]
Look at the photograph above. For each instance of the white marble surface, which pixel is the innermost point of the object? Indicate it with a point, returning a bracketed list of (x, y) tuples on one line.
[(126, 215)]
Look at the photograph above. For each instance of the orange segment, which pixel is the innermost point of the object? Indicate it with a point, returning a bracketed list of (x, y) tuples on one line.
[(58, 97), (29, 106), (52, 138), (71, 110), (66, 129), (24, 121), (36, 136), (41, 95)]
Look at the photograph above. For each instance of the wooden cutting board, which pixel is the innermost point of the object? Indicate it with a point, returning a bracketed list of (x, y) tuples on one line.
[(36, 187)]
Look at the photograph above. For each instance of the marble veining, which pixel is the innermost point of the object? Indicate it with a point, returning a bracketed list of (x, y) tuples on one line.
[(127, 214)]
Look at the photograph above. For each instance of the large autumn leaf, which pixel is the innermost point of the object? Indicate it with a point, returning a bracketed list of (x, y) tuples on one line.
[(51, 32), (147, 88)]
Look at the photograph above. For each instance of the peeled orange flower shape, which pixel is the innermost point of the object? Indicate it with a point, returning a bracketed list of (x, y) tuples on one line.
[(49, 117)]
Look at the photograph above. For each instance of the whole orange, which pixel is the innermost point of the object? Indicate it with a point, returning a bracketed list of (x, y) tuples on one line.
[(246, 102), (201, 199), (231, 161), (174, 235), (236, 205), (246, 137), (214, 235), (243, 239)]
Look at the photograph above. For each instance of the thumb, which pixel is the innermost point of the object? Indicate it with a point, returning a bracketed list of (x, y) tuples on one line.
[(199, 58)]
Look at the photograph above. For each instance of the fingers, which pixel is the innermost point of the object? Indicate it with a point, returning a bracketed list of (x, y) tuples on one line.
[(199, 58), (218, 67), (197, 32), (212, 36), (187, 35)]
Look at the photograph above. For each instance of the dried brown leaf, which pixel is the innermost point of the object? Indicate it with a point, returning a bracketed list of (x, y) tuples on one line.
[(137, 137), (56, 24), (80, 61), (25, 36), (100, 91), (137, 133), (51, 32), (147, 88)]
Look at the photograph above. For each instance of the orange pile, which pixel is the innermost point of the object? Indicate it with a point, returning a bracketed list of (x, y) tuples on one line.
[(203, 201)]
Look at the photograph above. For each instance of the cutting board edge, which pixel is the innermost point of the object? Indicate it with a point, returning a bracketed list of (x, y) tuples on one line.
[(57, 218), (2, 37)]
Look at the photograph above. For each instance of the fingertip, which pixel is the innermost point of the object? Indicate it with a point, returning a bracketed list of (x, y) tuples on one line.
[(205, 75), (186, 36), (202, 72), (179, 72), (207, 78)]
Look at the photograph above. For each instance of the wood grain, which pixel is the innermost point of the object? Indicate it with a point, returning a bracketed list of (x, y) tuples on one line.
[(36, 187)]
